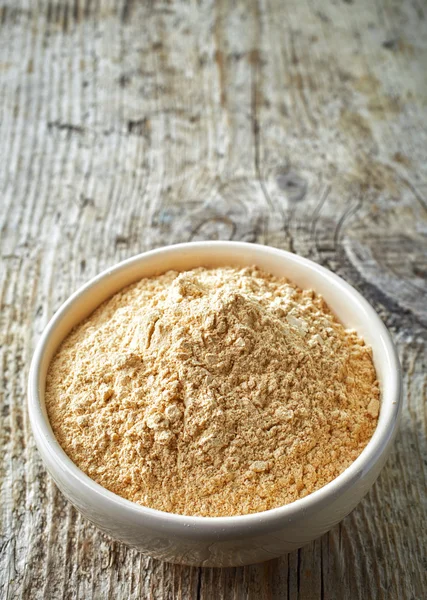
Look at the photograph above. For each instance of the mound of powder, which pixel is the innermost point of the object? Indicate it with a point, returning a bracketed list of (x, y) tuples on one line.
[(213, 392)]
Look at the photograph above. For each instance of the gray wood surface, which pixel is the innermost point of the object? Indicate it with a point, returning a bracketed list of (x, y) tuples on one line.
[(128, 125)]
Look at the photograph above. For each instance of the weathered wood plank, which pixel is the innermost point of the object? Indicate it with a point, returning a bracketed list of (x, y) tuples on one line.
[(125, 126)]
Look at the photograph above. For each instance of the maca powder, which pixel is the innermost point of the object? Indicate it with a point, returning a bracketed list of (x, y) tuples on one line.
[(213, 392)]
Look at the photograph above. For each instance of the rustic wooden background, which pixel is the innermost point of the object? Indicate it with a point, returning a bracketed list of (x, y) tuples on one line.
[(127, 125)]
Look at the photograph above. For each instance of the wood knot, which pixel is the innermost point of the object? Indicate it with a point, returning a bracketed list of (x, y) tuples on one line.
[(293, 184)]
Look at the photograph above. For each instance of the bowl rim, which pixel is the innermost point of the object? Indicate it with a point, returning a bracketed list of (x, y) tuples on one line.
[(377, 445)]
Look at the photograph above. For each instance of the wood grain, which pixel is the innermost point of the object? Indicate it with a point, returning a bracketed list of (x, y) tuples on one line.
[(129, 125)]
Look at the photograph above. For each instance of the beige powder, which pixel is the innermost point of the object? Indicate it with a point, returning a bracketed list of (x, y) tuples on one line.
[(213, 392)]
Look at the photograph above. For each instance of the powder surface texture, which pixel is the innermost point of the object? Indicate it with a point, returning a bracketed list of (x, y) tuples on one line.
[(213, 392)]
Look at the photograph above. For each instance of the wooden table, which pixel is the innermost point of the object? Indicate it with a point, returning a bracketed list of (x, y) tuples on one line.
[(128, 125)]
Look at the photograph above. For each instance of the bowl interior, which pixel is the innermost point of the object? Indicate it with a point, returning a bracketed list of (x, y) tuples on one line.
[(349, 306)]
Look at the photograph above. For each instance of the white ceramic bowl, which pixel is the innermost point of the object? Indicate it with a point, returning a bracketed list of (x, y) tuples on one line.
[(220, 541)]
